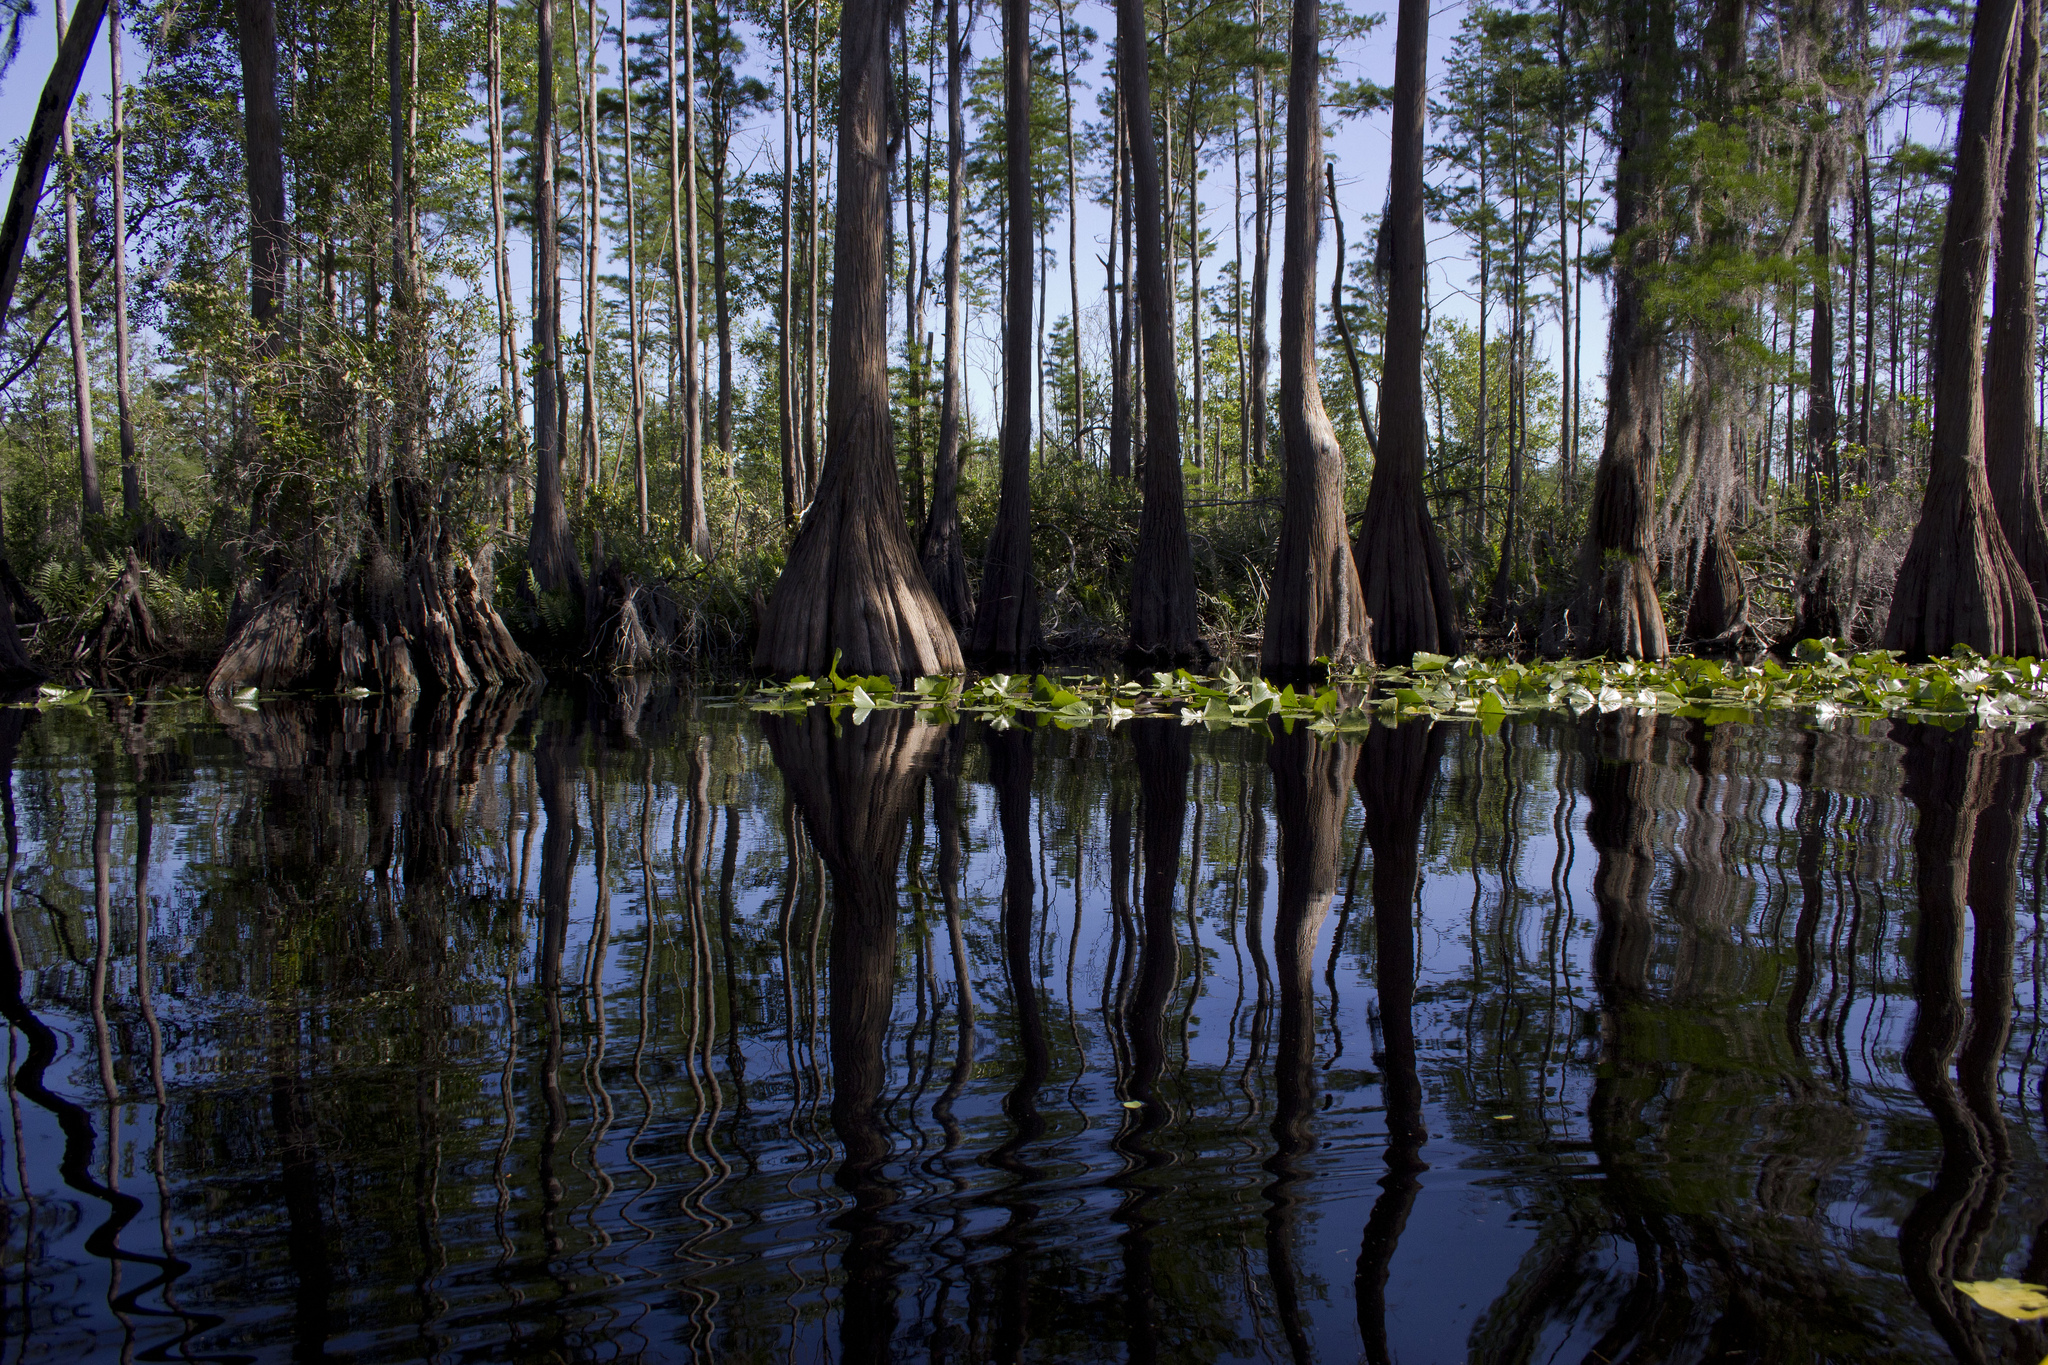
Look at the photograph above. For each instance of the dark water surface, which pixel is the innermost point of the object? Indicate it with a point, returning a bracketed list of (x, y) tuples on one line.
[(631, 1027)]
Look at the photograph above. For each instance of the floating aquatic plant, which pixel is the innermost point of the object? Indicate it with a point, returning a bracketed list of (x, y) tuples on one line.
[(1823, 681)]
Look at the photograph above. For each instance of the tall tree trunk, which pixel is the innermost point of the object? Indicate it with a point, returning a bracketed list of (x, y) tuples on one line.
[(263, 139), (1718, 609), (1262, 237), (74, 316), (1869, 289), (815, 250), (1120, 310), (696, 525), (1819, 614), (1244, 431), (945, 565), (1195, 288), (590, 199), (1566, 438), (1617, 612), (511, 429), (1006, 627), (1401, 565), (913, 321), (793, 489), (633, 312), (1960, 582), (408, 511), (1316, 610), (721, 150), (550, 550), (852, 582), (1365, 423), (1164, 628), (2011, 462), (131, 474), (1073, 238)]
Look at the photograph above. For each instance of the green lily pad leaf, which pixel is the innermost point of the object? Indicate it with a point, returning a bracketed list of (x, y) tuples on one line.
[(1430, 663)]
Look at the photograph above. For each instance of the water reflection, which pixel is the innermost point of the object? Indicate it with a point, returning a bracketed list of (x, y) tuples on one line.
[(619, 1025)]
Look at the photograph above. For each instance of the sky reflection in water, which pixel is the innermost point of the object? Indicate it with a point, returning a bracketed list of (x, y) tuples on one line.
[(622, 1025)]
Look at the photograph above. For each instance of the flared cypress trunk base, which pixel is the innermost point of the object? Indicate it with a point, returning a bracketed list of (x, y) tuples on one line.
[(1406, 583), (1960, 583), (425, 626), (853, 586)]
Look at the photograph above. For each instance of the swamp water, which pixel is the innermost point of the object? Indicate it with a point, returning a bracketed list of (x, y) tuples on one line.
[(634, 1026)]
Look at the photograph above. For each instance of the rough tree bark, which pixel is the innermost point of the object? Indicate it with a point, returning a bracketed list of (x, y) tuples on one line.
[(550, 550), (852, 583), (1401, 565), (945, 565), (1616, 611), (1006, 630), (1164, 628), (1316, 610), (2011, 462), (1960, 582)]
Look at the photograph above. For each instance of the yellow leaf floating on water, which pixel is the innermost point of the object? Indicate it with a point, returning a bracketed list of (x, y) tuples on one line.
[(2013, 1299)]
